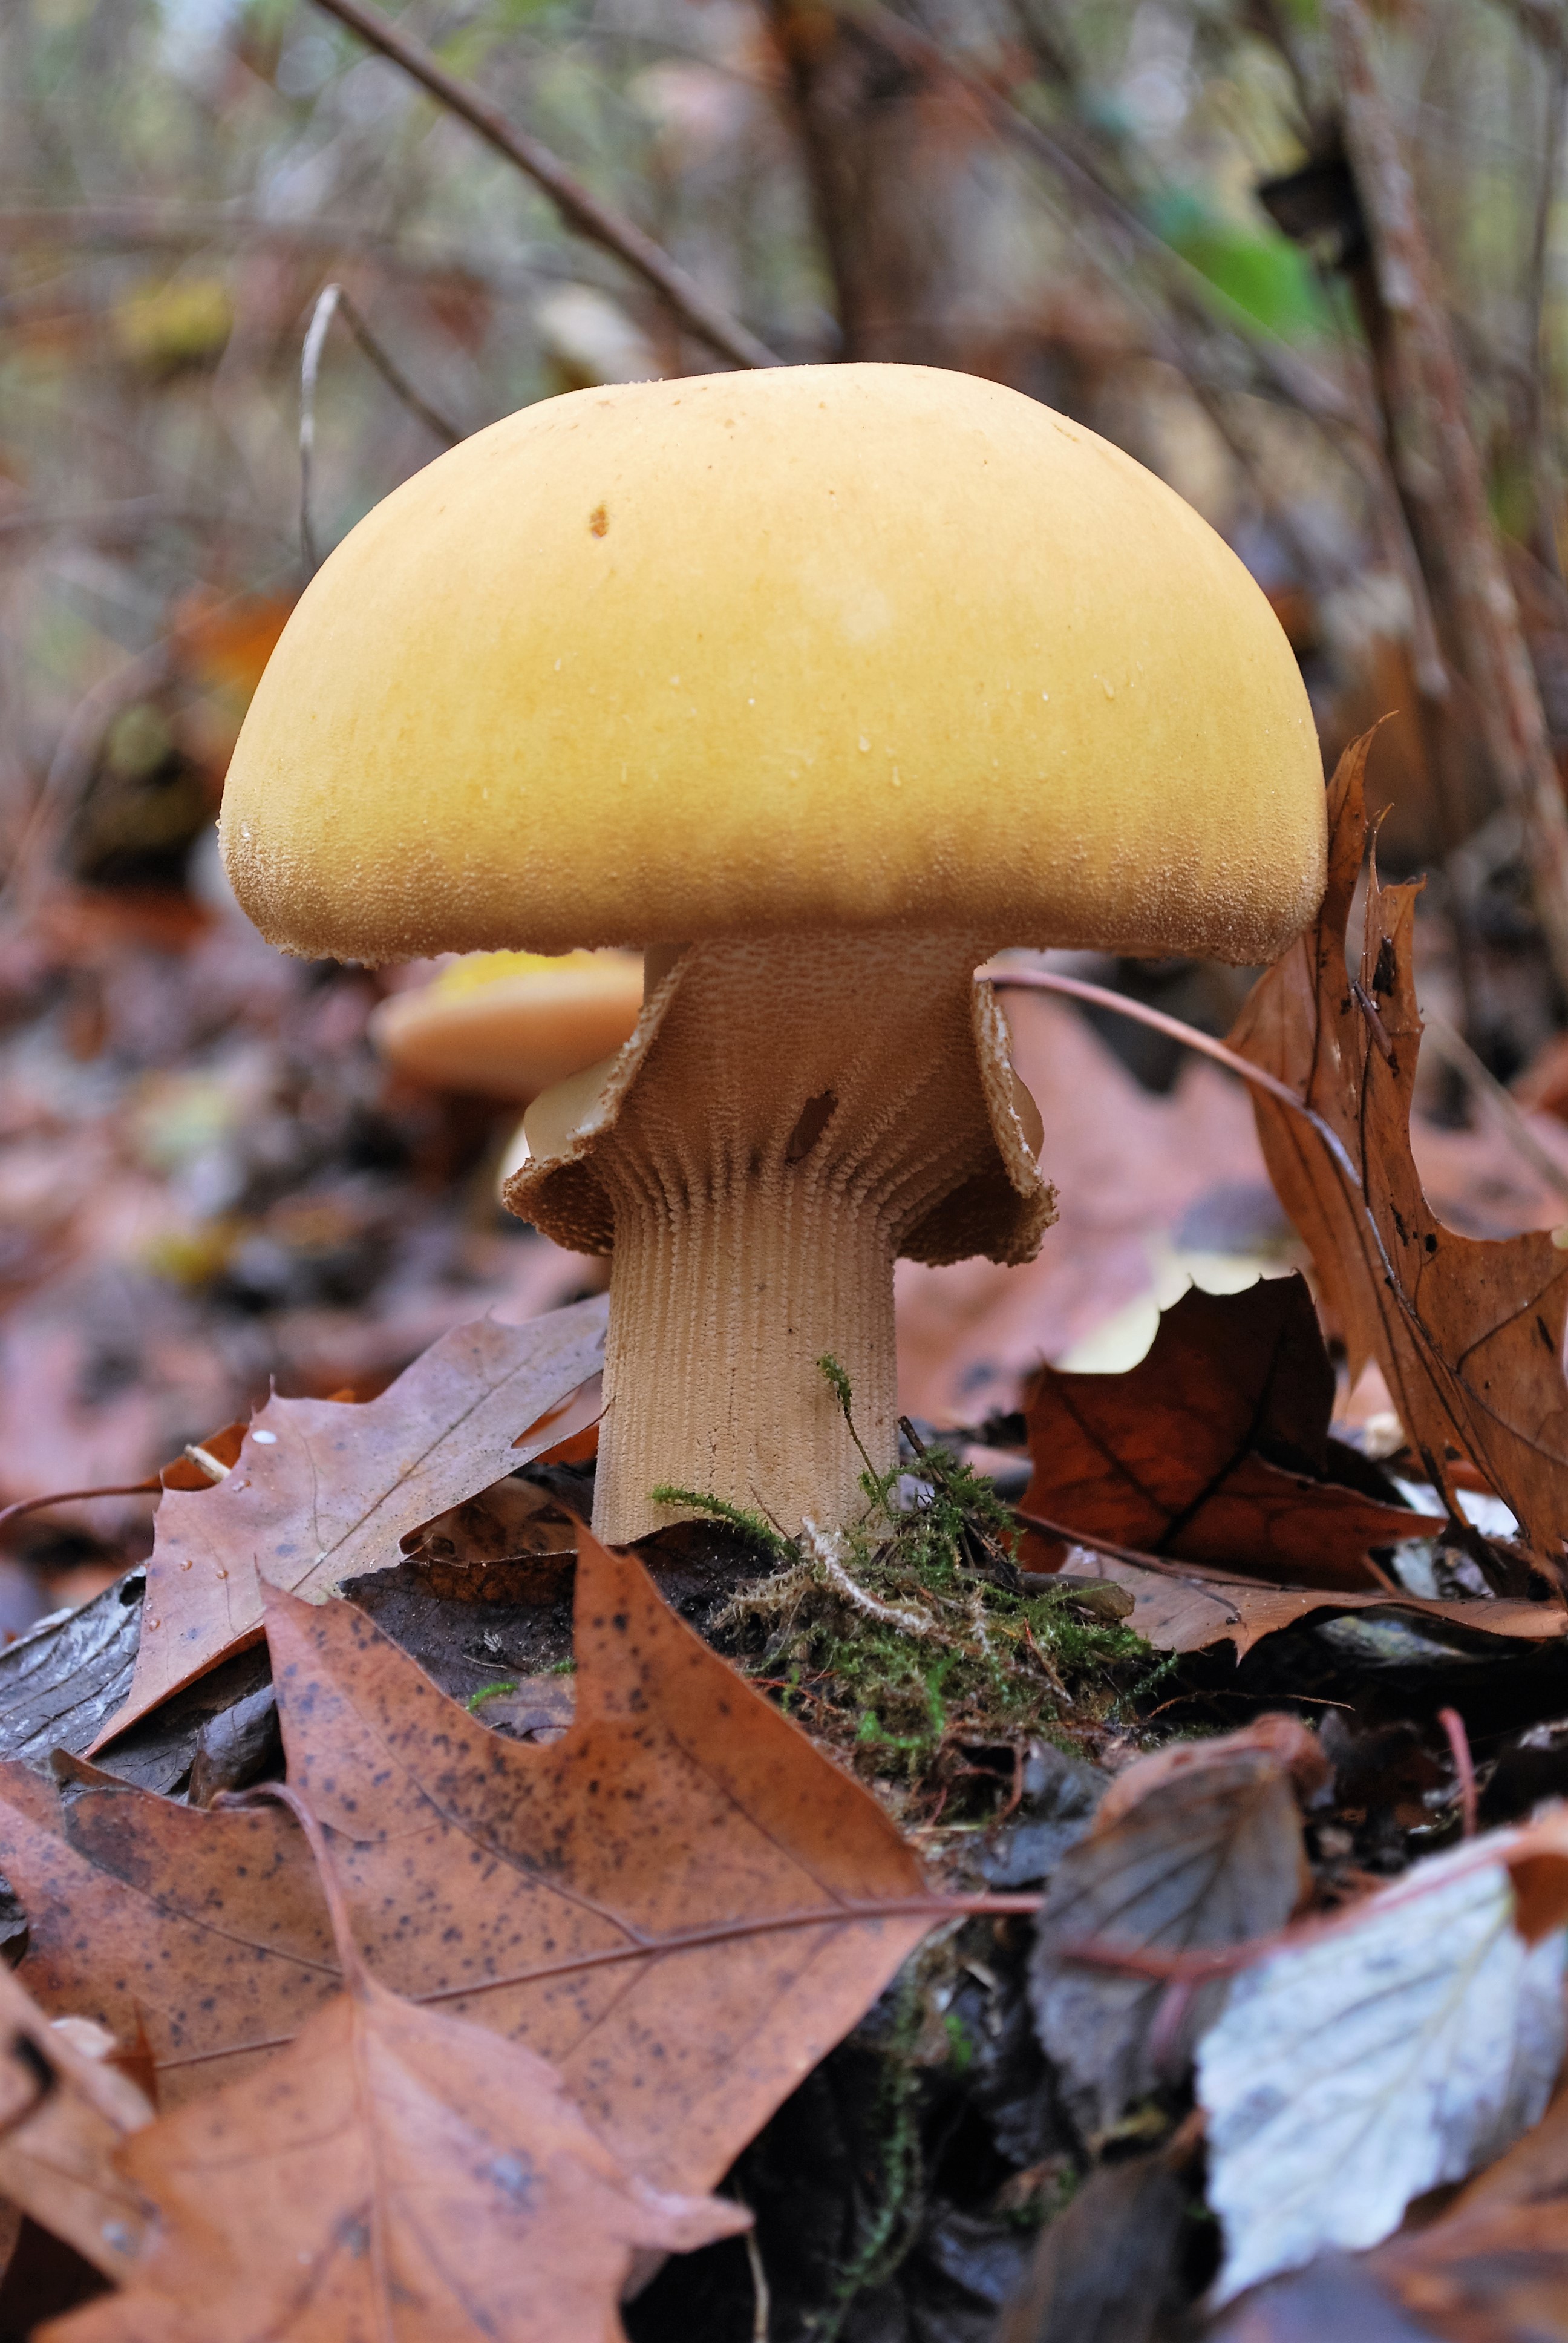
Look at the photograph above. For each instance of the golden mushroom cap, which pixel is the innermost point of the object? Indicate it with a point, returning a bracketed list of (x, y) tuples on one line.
[(847, 646), (510, 1024)]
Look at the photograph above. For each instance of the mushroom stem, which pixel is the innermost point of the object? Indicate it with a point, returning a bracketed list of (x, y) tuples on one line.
[(791, 1114)]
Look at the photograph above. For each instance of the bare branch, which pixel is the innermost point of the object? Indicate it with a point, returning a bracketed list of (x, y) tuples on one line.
[(328, 306), (1438, 468), (137, 226), (71, 768), (578, 207)]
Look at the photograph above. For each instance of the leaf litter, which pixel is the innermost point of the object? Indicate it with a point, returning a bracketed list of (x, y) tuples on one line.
[(682, 1905), (393, 2170), (1224, 1507), (680, 1877), (318, 1495)]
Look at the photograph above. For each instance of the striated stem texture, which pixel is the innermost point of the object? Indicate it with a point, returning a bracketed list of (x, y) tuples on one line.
[(791, 1114)]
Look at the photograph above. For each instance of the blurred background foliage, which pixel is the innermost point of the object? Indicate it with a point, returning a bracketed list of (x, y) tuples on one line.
[(1171, 219), (1061, 193)]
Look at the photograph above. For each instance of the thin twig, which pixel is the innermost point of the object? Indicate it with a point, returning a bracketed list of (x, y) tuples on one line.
[(581, 210), (1453, 1724), (72, 766), (139, 225), (761, 2300), (1537, 356), (1076, 988), (152, 1487), (309, 367), (1438, 470), (331, 302)]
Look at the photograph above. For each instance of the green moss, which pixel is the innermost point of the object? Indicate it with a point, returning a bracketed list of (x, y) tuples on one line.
[(886, 2230), (909, 1630), (739, 1518), (477, 1700)]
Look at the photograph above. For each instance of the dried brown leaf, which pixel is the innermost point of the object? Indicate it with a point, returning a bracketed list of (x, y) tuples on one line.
[(1214, 1448), (1470, 1340), (681, 1885), (1192, 1610), (1207, 1856), (1493, 2277), (394, 2171), (321, 1492), (1497, 2277), (63, 2114), (1276, 1734), (1104, 2268), (208, 1929)]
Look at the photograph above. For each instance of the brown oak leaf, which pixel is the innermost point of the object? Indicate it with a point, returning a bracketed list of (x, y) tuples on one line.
[(62, 2116), (394, 2171), (1193, 1610), (321, 1492), (682, 1886), (207, 1930), (1468, 1332), (1215, 1448)]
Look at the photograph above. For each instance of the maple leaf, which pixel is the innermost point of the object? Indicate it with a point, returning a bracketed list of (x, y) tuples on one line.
[(321, 1492), (682, 1886), (395, 2170), (1214, 1448), (63, 2114), (1468, 1332)]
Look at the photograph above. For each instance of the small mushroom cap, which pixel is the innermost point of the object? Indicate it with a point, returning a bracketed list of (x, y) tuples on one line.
[(511, 1024), (858, 647)]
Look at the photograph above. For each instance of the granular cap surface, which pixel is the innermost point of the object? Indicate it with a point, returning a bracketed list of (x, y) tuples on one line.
[(860, 647)]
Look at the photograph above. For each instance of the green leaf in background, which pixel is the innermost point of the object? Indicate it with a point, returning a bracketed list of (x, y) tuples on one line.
[(1256, 269)]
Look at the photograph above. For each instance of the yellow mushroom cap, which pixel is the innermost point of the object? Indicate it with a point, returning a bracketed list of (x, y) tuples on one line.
[(851, 646), (511, 1024)]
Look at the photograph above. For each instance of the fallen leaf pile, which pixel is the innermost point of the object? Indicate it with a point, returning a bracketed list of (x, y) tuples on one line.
[(428, 1923), (1225, 1508)]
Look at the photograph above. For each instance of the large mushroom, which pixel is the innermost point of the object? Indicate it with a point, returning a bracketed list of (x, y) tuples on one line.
[(820, 684)]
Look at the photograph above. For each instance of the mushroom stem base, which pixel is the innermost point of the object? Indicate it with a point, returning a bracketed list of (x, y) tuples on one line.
[(719, 1311)]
